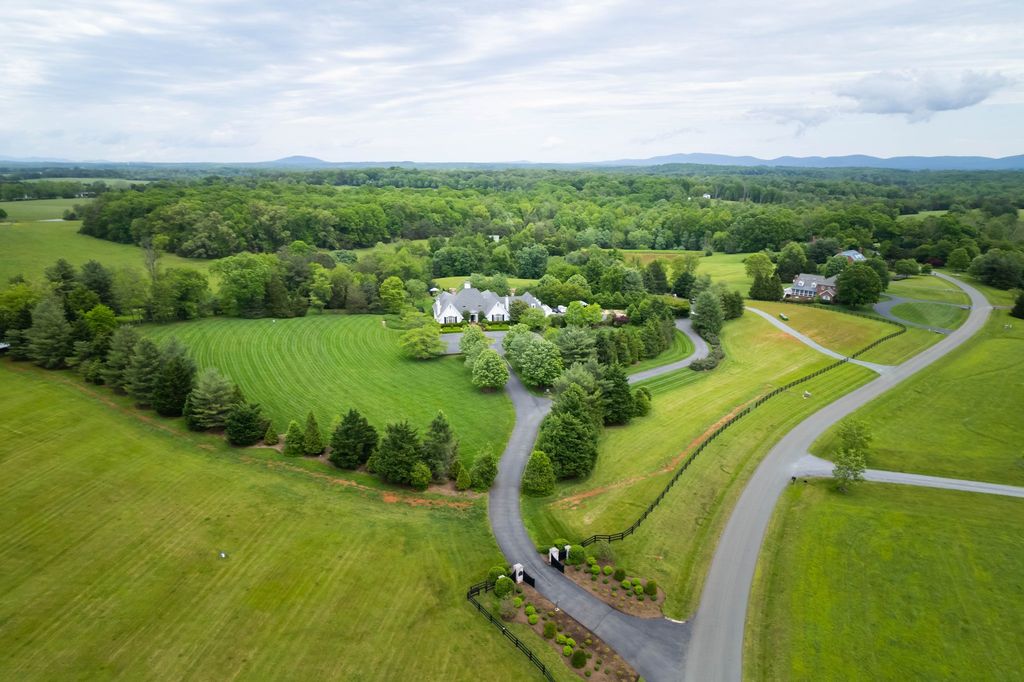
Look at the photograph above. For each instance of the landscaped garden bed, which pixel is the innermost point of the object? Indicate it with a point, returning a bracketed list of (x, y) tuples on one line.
[(619, 589)]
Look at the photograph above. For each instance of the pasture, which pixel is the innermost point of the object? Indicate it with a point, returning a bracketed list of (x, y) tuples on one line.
[(960, 418), (110, 532), (330, 363), (931, 315), (834, 330), (927, 288), (727, 268), (38, 209), (675, 544), (888, 583)]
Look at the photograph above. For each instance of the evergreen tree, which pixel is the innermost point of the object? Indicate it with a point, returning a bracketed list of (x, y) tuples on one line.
[(420, 476), (49, 337), (489, 371), (539, 477), (271, 437), (353, 441), (312, 440), (641, 402), (440, 447), (616, 396), (119, 357), (683, 284), (464, 480), (62, 276), (655, 278), (576, 344), (1018, 306), (294, 441), (576, 400), (766, 288), (210, 401), (399, 450), (732, 304), (177, 372), (143, 374), (570, 442), (708, 316), (245, 424), (98, 280), (485, 470)]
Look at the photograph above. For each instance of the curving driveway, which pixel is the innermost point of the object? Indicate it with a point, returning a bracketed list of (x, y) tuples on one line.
[(884, 308), (715, 650)]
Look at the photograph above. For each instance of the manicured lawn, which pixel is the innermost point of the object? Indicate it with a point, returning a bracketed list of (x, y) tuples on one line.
[(959, 418), (681, 348), (994, 296), (330, 363), (902, 347), (888, 583), (933, 315), (110, 533), (676, 543), (727, 268), (834, 330), (30, 247), (457, 282), (928, 288)]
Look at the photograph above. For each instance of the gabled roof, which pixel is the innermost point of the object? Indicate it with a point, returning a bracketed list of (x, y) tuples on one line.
[(806, 281), (853, 255)]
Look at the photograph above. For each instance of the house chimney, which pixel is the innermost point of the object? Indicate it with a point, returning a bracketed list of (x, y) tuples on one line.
[(465, 285)]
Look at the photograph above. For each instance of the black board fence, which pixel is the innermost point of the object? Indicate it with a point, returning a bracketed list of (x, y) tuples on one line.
[(487, 586), (621, 535)]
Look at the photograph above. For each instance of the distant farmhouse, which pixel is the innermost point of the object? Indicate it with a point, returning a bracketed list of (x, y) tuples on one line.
[(476, 306), (808, 287), (853, 256)]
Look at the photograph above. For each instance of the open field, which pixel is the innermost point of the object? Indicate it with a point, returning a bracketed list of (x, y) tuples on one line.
[(888, 583), (681, 348), (330, 363), (115, 183), (456, 282), (933, 315), (676, 542), (834, 330), (994, 296), (902, 347), (959, 419), (110, 530), (927, 288), (723, 267), (920, 214), (29, 246)]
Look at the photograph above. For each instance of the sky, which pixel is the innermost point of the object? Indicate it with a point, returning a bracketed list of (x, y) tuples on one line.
[(549, 81)]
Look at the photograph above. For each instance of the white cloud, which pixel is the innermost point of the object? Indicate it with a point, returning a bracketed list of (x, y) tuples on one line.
[(919, 95)]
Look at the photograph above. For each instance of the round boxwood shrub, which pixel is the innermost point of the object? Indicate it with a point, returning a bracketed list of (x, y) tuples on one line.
[(530, 609), (560, 639), (503, 586), (591, 561), (627, 585), (620, 574), (605, 581), (608, 570), (517, 602), (549, 629), (560, 543), (532, 619), (567, 651), (577, 555), (651, 588), (579, 658), (638, 589), (595, 570), (495, 573), (571, 642), (640, 598), (587, 673)]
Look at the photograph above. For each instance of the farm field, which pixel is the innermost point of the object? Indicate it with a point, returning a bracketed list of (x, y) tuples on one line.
[(681, 348), (933, 315), (29, 245), (723, 267), (927, 288), (109, 539), (676, 542), (959, 419), (834, 330), (330, 363), (888, 582)]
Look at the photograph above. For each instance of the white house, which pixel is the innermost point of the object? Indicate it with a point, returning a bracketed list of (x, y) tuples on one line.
[(475, 305)]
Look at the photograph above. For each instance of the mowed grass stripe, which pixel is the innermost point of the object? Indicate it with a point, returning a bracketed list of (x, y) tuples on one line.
[(330, 363)]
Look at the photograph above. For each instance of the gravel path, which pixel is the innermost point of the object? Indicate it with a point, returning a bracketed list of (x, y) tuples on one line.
[(715, 650)]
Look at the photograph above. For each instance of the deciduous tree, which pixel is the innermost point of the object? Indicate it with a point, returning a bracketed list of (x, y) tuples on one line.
[(539, 477), (489, 371), (857, 285)]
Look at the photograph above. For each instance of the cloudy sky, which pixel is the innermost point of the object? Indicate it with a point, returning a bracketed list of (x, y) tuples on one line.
[(348, 80)]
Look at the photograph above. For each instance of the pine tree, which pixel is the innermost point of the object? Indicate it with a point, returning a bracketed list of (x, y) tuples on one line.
[(312, 440), (143, 374), (210, 401), (615, 396), (708, 315), (49, 337), (539, 477), (244, 424), (294, 442), (1018, 306), (353, 441), (177, 374), (119, 357), (766, 288), (440, 447), (399, 450), (271, 437)]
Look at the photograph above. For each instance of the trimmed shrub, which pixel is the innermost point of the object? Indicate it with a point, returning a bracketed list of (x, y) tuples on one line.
[(620, 574), (532, 620), (627, 585), (560, 639), (595, 570), (640, 598), (549, 629), (638, 589), (495, 573), (577, 555), (579, 658), (503, 586), (591, 561), (530, 609), (517, 602), (567, 651), (571, 642), (608, 570), (651, 588), (464, 480), (419, 478)]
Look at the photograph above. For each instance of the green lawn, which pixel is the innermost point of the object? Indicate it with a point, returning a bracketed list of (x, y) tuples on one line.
[(888, 583), (928, 288), (727, 268), (676, 543), (110, 530), (932, 315), (681, 348), (920, 214), (457, 282), (834, 330), (330, 363), (30, 245), (994, 296), (960, 418)]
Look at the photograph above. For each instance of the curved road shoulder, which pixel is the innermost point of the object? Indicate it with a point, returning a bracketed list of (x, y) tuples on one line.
[(715, 650)]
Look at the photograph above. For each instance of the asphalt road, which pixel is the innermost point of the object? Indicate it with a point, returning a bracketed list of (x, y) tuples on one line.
[(715, 650), (814, 344)]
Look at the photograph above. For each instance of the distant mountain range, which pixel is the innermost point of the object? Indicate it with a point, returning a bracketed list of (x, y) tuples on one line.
[(912, 163)]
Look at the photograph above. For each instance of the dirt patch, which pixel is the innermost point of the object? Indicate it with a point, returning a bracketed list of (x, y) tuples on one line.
[(611, 592), (573, 501), (602, 661)]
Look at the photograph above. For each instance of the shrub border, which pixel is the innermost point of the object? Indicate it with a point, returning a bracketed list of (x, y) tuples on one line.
[(487, 586)]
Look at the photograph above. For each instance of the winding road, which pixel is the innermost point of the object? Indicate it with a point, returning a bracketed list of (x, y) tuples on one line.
[(710, 646)]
